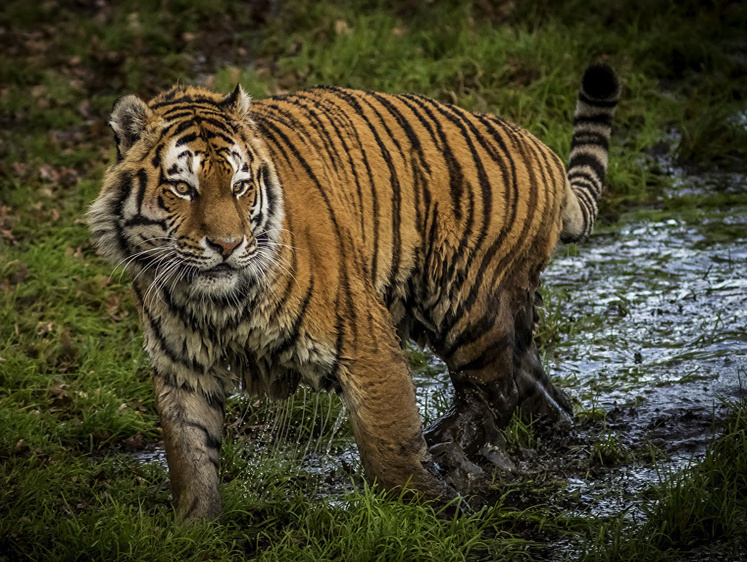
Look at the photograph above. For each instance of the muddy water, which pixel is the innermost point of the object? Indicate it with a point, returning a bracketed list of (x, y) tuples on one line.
[(659, 339), (669, 336)]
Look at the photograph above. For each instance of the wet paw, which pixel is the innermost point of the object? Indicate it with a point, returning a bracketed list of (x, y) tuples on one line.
[(457, 470)]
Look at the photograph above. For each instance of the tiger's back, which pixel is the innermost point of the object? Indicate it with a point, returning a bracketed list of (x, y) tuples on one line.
[(436, 204), (306, 236)]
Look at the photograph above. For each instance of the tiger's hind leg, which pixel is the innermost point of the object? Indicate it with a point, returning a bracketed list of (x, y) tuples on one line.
[(494, 373)]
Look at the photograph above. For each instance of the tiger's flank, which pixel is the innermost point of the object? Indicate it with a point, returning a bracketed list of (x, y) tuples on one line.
[(306, 237)]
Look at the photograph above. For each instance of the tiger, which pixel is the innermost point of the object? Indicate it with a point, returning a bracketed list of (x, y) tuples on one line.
[(305, 237)]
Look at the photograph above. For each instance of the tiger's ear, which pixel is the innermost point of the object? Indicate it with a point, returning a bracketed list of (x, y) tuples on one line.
[(130, 115), (238, 101)]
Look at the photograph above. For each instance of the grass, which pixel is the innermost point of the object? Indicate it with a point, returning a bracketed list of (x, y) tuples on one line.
[(75, 395)]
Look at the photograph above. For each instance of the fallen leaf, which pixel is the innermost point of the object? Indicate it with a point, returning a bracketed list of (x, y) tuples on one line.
[(8, 235), (59, 396), (44, 328), (47, 172), (21, 169), (39, 91)]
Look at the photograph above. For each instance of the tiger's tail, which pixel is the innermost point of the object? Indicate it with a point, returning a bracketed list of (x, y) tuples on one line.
[(592, 125)]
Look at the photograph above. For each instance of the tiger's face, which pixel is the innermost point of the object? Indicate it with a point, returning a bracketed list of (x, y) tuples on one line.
[(193, 202)]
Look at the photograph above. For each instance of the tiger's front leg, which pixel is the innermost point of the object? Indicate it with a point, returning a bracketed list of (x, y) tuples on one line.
[(380, 395), (192, 422)]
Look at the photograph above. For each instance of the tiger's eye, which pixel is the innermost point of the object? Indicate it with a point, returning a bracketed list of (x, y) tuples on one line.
[(183, 188), (241, 187)]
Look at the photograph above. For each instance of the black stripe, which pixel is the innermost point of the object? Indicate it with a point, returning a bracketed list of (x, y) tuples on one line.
[(503, 265), (511, 201), (124, 187), (189, 102), (536, 183), (318, 128), (295, 332), (180, 113), (207, 134), (343, 132), (456, 176), (142, 177), (307, 168), (267, 133), (495, 348), (192, 507), (603, 119), (186, 139), (263, 180), (352, 131), (584, 137), (418, 180), (459, 118), (211, 441), (348, 96), (581, 160), (220, 124), (396, 191), (155, 325), (142, 220)]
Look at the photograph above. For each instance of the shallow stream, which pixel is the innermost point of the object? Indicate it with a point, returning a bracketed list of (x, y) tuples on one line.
[(659, 341)]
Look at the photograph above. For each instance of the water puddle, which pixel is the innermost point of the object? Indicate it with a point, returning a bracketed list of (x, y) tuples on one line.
[(154, 453), (673, 311), (658, 343)]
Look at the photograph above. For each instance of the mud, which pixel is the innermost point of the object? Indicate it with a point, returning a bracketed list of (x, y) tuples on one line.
[(673, 341), (651, 343)]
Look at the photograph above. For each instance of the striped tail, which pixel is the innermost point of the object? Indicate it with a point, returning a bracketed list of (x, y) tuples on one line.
[(592, 125)]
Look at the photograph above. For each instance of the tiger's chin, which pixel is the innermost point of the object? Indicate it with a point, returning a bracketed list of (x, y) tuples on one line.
[(220, 282)]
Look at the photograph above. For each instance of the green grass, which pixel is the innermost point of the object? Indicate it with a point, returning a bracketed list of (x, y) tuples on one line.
[(75, 394)]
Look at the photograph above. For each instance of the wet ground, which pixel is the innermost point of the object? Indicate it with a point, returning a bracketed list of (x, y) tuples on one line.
[(649, 323), (665, 302)]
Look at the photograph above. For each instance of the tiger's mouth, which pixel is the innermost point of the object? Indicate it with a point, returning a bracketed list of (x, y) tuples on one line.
[(218, 281), (220, 271)]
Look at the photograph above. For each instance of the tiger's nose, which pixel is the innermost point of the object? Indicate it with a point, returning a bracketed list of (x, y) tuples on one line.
[(225, 246)]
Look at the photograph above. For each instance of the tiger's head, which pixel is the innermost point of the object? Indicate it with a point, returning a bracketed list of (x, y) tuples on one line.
[(193, 201)]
